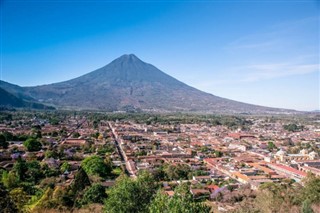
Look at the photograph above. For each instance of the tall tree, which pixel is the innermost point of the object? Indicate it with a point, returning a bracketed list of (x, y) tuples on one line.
[(3, 142), (81, 181), (19, 197), (311, 190), (6, 204), (179, 203), (94, 194), (129, 195), (20, 168), (9, 179)]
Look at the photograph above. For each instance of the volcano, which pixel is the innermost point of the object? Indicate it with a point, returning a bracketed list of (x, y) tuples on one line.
[(129, 84)]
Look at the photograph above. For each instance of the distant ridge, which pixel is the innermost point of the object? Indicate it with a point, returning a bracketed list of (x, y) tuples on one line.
[(9, 100), (129, 84)]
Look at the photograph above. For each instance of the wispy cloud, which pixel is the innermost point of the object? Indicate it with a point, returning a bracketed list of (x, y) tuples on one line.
[(258, 72), (276, 36), (278, 51)]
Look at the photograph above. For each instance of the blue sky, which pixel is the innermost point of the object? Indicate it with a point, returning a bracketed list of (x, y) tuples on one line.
[(259, 52)]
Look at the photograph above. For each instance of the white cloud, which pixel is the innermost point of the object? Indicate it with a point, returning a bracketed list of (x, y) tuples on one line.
[(258, 72), (285, 49), (279, 36)]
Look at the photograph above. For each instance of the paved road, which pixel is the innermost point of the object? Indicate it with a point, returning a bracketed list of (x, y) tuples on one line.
[(118, 140)]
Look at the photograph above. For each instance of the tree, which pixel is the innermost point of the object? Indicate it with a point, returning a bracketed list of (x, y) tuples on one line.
[(179, 203), (106, 149), (94, 194), (19, 197), (218, 154), (54, 121), (37, 134), (94, 165), (293, 127), (131, 195), (9, 179), (65, 167), (32, 145), (274, 197), (6, 204), (306, 207), (286, 196), (75, 135), (81, 181), (160, 203), (271, 145), (20, 168), (177, 172), (27, 171), (3, 142), (311, 190), (47, 171), (9, 136), (62, 197), (51, 154), (54, 134), (159, 174), (46, 201), (204, 149), (34, 172)]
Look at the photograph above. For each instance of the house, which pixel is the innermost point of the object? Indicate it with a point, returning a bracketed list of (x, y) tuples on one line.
[(240, 135), (303, 155), (200, 193), (288, 171), (242, 178), (237, 146), (74, 142), (307, 168), (263, 168), (7, 164), (212, 188), (169, 193)]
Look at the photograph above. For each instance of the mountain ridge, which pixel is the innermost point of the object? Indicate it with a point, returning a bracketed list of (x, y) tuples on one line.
[(129, 83), (9, 100)]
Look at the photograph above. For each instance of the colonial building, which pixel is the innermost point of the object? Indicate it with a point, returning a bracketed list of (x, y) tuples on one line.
[(282, 156)]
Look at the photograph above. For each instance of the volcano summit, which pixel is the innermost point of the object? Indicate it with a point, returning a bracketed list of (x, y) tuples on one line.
[(128, 83)]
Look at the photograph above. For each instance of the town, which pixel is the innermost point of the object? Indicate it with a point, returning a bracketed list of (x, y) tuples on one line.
[(216, 156)]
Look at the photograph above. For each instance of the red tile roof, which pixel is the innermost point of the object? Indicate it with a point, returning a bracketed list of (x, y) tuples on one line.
[(212, 187), (290, 169)]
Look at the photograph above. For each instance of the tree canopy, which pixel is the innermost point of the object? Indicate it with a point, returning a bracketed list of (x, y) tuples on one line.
[(131, 195), (3, 142), (162, 203), (176, 172), (293, 127), (32, 145), (6, 203), (95, 165), (286, 197), (94, 194)]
